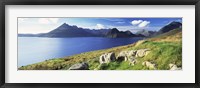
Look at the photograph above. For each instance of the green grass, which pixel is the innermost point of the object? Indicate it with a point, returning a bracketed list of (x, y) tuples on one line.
[(164, 49)]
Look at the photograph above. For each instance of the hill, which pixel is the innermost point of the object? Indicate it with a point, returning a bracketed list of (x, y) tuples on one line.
[(169, 27)]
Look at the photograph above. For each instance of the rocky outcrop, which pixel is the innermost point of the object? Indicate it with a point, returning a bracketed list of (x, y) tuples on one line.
[(174, 67), (122, 56), (131, 53), (126, 55), (142, 52), (106, 58), (79, 66), (149, 65)]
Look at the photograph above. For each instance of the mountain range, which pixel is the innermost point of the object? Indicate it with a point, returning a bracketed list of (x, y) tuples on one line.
[(66, 30)]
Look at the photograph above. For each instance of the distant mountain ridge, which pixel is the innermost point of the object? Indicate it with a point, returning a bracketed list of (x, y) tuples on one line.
[(114, 33), (145, 32), (171, 26), (66, 30)]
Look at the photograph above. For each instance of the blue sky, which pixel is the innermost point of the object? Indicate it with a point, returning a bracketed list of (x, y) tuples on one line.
[(43, 25)]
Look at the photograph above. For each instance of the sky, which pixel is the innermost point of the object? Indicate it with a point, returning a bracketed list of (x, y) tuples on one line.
[(44, 25)]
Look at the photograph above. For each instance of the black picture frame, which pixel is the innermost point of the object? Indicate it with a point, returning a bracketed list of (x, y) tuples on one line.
[(98, 2)]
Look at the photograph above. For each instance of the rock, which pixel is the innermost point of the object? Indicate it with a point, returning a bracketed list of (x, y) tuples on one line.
[(122, 56), (133, 62), (131, 53), (106, 58), (79, 66), (126, 55), (142, 52), (149, 65), (174, 67)]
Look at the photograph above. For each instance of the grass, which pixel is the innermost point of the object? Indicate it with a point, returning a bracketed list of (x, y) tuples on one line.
[(165, 49)]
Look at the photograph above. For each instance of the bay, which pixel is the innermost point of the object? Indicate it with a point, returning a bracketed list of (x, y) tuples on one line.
[(36, 49)]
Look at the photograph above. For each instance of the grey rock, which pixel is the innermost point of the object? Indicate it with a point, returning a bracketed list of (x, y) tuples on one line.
[(126, 55), (79, 66), (149, 65), (142, 52), (174, 67), (122, 56), (132, 62), (107, 58)]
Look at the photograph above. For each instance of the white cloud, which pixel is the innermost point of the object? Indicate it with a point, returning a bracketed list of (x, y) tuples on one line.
[(136, 22), (144, 24), (48, 20), (140, 23), (100, 26)]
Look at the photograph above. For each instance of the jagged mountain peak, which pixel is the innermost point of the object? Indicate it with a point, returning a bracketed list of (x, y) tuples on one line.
[(172, 25)]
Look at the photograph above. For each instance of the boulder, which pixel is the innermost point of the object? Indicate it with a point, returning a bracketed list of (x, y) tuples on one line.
[(79, 66), (122, 56), (131, 53), (126, 55), (174, 67), (142, 52), (149, 65), (132, 62), (107, 58)]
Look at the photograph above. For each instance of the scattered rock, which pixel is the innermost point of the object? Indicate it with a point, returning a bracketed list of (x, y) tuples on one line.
[(126, 55), (142, 52), (106, 58), (174, 67), (131, 53), (122, 56), (79, 66), (149, 65), (133, 62)]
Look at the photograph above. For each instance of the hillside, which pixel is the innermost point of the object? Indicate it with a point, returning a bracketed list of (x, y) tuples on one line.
[(169, 27), (164, 51)]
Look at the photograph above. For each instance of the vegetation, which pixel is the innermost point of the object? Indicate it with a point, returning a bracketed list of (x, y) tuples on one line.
[(165, 49)]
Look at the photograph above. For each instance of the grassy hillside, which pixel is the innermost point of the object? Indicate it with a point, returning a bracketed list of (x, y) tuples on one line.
[(165, 49)]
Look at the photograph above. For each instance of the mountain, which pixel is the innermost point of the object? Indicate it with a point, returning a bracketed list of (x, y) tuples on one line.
[(145, 33), (100, 33), (169, 27), (114, 33), (66, 30)]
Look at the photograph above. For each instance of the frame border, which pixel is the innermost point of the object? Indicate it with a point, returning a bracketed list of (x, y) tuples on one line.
[(99, 2)]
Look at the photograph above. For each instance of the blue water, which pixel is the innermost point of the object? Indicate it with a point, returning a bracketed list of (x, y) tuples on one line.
[(36, 49)]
